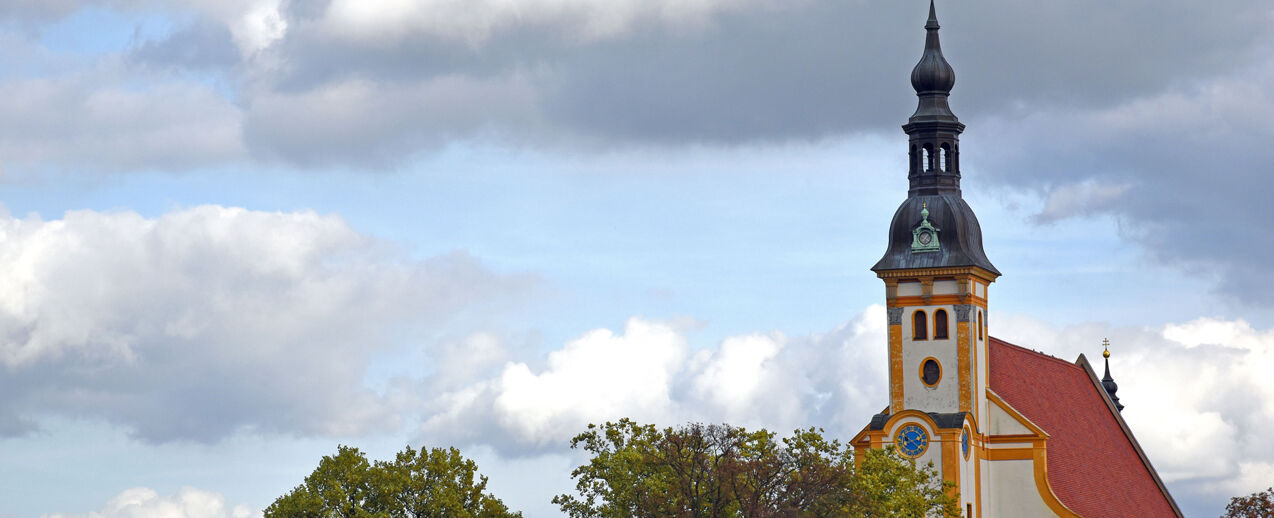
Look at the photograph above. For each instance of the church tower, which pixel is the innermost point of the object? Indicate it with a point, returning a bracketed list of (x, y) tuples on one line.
[(935, 271), (937, 280)]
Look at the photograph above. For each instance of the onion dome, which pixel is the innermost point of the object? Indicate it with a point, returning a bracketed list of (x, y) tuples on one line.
[(933, 74)]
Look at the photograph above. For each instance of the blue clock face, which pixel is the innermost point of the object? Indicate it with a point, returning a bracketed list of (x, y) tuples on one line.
[(964, 443), (912, 441)]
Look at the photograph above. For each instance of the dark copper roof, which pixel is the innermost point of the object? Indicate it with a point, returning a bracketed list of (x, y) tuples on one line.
[(959, 234)]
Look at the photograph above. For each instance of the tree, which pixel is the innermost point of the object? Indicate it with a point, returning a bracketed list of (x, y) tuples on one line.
[(1256, 505), (718, 471), (416, 484)]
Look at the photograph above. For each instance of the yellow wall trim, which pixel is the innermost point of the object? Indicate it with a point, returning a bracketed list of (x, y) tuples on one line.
[(964, 365), (1010, 454), (895, 368), (980, 273), (1046, 490)]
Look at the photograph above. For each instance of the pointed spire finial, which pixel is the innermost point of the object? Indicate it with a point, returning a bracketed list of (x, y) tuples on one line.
[(1108, 382), (933, 18)]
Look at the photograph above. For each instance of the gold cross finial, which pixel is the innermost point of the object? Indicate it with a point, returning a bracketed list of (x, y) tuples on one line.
[(1105, 344)]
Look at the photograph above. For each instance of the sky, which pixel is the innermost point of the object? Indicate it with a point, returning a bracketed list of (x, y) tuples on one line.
[(238, 233)]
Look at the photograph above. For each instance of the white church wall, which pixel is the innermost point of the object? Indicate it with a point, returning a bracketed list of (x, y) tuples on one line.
[(1015, 494), (945, 396), (968, 477), (910, 289), (947, 287), (1004, 424)]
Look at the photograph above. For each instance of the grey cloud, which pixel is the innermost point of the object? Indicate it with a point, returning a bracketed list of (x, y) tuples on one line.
[(1046, 88), (810, 69), (34, 11), (211, 321), (764, 73), (203, 44), (1184, 172), (359, 123), (98, 121)]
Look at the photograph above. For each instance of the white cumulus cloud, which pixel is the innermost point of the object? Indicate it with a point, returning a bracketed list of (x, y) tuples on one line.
[(187, 502), (210, 320), (648, 373)]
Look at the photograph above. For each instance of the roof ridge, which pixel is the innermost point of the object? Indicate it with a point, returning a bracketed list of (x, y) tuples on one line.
[(1033, 351)]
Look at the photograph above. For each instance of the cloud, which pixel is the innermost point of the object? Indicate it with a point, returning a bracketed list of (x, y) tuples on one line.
[(360, 123), (474, 21), (200, 45), (187, 502), (723, 72), (1183, 172), (627, 72), (96, 121), (648, 373), (212, 320), (1085, 198), (1152, 113)]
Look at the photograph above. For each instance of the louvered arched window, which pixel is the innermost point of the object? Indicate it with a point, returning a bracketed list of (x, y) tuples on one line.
[(940, 324), (919, 326)]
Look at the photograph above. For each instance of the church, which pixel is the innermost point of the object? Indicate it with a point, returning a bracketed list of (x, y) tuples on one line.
[(1019, 433)]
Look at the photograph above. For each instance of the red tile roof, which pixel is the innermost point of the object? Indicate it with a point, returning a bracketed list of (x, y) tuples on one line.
[(1094, 465)]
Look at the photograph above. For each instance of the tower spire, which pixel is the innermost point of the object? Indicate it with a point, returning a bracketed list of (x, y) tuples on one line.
[(933, 174), (933, 128), (1108, 382)]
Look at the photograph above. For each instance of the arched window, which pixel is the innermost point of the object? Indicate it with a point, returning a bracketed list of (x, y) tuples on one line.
[(940, 324), (979, 325), (919, 326), (915, 159), (946, 157), (928, 158)]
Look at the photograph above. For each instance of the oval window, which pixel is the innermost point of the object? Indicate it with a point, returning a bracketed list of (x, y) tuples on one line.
[(930, 372), (964, 443)]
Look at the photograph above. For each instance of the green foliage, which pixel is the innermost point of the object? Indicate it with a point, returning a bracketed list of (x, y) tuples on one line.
[(1256, 505), (886, 484), (421, 483), (711, 471)]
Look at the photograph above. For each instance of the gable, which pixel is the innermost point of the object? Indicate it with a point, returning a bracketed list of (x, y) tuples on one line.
[(1094, 465)]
